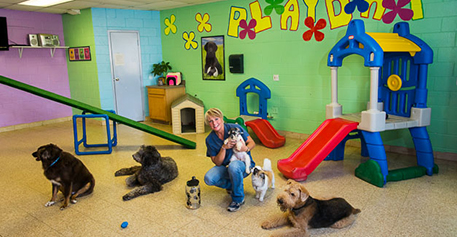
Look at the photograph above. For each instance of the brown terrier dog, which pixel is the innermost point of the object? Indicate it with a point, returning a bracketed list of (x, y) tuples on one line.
[(303, 212)]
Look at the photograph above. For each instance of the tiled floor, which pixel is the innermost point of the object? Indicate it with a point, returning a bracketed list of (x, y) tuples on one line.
[(425, 206)]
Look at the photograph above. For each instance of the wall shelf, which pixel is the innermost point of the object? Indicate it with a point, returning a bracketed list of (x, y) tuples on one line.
[(52, 48)]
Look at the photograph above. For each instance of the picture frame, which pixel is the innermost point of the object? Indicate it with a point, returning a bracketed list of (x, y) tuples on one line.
[(79, 54), (213, 57)]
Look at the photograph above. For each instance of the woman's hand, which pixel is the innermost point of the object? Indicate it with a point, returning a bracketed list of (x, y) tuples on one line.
[(245, 148), (219, 158), (230, 144)]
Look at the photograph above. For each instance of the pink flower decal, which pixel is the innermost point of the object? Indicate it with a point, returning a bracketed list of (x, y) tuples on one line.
[(404, 14), (319, 36), (248, 29)]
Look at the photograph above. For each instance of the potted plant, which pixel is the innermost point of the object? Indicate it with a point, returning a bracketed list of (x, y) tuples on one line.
[(160, 69)]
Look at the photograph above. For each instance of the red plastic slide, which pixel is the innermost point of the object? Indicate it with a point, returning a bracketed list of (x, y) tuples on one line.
[(314, 150), (266, 133)]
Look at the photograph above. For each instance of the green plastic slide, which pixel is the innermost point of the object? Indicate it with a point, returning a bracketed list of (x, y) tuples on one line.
[(95, 110)]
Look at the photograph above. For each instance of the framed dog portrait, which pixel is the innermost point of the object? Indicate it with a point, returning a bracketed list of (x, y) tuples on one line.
[(213, 58)]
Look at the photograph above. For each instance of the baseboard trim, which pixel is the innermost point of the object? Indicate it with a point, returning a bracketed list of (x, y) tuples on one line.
[(34, 124)]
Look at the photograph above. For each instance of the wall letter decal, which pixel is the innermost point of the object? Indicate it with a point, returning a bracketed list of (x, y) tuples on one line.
[(236, 15), (293, 14), (341, 19), (379, 11), (263, 23), (416, 6), (311, 5)]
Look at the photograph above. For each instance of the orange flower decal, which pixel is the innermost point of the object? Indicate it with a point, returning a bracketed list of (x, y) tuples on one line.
[(319, 36)]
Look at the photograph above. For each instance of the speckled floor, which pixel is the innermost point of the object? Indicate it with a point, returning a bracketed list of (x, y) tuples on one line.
[(424, 206)]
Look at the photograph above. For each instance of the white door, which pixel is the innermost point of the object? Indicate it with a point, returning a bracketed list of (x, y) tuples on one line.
[(126, 70)]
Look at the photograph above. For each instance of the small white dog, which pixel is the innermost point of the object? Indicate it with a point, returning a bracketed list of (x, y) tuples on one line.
[(262, 179), (235, 135)]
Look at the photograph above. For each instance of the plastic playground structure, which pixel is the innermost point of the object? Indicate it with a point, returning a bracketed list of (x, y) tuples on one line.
[(258, 122), (398, 64)]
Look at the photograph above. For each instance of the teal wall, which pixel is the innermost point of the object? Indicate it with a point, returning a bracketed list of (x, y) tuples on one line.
[(148, 26), (299, 97)]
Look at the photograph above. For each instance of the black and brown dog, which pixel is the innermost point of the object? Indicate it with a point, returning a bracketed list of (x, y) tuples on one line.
[(303, 212), (66, 173)]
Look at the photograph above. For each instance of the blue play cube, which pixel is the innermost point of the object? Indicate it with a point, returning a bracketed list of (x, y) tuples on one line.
[(111, 140)]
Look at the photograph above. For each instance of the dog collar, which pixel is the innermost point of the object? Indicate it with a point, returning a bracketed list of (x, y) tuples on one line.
[(53, 163), (308, 202)]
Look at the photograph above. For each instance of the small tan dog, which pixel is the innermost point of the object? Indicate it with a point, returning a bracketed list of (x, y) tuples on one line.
[(262, 178), (303, 212)]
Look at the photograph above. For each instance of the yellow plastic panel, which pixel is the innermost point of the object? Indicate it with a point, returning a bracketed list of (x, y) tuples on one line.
[(392, 42)]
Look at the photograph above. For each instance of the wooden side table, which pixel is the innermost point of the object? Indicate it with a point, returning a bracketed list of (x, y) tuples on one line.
[(160, 99)]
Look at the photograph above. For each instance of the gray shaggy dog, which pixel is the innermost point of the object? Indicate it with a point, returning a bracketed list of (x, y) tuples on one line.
[(154, 171)]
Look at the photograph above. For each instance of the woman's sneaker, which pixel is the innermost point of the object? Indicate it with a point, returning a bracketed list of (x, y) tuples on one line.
[(235, 206)]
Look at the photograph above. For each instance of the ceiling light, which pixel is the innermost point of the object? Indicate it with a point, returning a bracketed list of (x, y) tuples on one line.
[(43, 3), (74, 11)]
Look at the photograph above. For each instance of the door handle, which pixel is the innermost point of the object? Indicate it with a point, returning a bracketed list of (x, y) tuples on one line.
[(116, 79)]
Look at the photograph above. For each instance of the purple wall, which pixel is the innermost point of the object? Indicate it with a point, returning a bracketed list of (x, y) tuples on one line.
[(36, 67)]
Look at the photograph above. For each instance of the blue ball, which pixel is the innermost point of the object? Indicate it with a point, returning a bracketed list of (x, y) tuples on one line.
[(124, 224)]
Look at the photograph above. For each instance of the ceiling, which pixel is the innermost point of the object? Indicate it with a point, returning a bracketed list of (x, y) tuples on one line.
[(119, 4)]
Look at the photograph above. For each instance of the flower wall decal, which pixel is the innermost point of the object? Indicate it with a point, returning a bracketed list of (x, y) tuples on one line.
[(204, 25), (170, 25), (189, 38), (397, 8), (248, 29), (274, 4), (361, 5), (309, 22)]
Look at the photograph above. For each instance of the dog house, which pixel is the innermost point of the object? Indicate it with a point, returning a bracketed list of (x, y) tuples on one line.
[(187, 114)]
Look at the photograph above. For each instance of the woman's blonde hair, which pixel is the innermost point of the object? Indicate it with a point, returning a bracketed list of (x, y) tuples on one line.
[(215, 113)]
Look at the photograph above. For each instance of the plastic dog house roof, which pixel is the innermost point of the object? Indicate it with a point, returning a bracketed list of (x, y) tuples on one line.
[(392, 42), (187, 97), (373, 46)]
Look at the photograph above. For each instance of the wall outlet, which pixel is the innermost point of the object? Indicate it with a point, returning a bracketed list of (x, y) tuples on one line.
[(275, 77)]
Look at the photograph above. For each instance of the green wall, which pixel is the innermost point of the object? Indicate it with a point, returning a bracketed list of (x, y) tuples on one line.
[(83, 76), (299, 97)]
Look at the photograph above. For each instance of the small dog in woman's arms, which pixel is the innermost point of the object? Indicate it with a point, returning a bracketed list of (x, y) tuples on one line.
[(235, 135), (154, 171), (303, 212), (262, 179), (66, 173)]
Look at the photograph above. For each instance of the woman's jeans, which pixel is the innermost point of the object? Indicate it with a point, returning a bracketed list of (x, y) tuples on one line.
[(230, 177)]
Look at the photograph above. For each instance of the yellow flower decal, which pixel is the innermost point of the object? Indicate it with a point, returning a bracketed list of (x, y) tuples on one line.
[(170, 25), (189, 38), (203, 22)]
